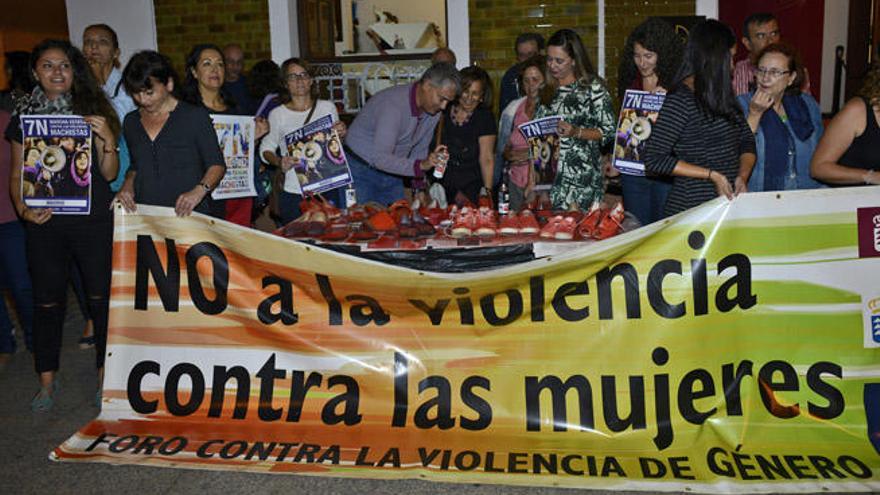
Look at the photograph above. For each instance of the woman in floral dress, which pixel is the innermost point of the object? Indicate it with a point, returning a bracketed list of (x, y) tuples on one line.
[(580, 97)]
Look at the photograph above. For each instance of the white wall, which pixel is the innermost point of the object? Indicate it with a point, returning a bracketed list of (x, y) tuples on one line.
[(709, 8), (283, 30), (835, 32), (133, 20), (284, 33)]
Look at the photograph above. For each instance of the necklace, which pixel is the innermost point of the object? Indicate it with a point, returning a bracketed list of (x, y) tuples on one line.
[(460, 121)]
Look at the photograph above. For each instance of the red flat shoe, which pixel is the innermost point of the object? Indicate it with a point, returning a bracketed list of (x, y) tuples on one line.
[(611, 224), (509, 224), (549, 230), (528, 224)]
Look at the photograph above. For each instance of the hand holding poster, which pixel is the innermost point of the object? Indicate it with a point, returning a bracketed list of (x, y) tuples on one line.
[(320, 163), (637, 116), (543, 148), (235, 133), (56, 165)]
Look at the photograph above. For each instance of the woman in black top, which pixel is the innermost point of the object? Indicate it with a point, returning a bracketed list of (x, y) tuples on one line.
[(849, 151), (65, 86), (175, 157), (701, 138), (469, 131), (203, 86)]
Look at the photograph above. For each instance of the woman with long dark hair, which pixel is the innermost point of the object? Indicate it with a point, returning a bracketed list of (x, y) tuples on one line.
[(300, 105), (588, 122), (66, 86), (650, 59), (701, 138), (203, 86)]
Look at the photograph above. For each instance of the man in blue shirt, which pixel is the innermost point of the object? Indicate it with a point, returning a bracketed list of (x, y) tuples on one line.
[(527, 45)]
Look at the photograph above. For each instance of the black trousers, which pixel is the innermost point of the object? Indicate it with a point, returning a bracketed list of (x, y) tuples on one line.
[(51, 249)]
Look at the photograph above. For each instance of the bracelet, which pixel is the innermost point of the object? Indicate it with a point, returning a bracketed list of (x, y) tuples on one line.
[(206, 186)]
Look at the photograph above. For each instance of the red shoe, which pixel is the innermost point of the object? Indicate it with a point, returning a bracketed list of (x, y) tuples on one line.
[(611, 224), (528, 224), (382, 222), (549, 230), (510, 224), (487, 225), (465, 223), (587, 227), (317, 224), (423, 228), (565, 229)]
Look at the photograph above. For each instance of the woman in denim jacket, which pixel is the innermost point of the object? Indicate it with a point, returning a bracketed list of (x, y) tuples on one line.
[(787, 123)]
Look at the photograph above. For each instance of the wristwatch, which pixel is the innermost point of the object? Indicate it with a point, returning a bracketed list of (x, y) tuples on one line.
[(206, 186)]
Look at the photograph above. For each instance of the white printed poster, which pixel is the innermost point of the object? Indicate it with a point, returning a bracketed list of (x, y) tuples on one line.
[(235, 133)]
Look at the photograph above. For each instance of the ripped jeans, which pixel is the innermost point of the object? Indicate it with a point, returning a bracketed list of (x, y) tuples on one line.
[(51, 248)]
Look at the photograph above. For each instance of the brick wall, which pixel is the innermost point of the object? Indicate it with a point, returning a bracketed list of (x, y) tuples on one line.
[(180, 24), (494, 25)]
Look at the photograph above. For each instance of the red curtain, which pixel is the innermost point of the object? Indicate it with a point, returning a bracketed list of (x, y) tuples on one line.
[(800, 21)]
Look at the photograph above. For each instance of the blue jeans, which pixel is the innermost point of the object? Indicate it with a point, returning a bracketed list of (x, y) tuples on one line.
[(14, 275), (645, 197), (371, 184)]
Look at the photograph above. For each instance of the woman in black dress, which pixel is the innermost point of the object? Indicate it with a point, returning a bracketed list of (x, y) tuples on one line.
[(469, 131)]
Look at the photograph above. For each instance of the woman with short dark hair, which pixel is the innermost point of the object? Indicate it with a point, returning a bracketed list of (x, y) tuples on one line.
[(66, 86), (701, 138), (175, 157)]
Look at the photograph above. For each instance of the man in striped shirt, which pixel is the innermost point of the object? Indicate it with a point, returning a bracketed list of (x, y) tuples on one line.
[(759, 30)]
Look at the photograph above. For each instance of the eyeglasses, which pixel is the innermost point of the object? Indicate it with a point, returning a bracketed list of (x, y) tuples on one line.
[(772, 73), (301, 76)]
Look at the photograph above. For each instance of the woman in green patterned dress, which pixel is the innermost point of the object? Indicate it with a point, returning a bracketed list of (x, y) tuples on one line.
[(588, 122)]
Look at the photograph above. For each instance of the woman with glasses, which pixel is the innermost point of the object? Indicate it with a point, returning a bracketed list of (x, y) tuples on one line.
[(300, 105), (701, 138), (468, 130), (787, 122)]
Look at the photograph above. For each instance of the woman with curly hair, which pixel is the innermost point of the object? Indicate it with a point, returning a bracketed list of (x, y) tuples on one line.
[(849, 152), (588, 123), (650, 59), (66, 86)]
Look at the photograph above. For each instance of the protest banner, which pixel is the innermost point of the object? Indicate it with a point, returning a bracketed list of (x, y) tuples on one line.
[(543, 149), (57, 163), (320, 163), (731, 348), (235, 134), (638, 113)]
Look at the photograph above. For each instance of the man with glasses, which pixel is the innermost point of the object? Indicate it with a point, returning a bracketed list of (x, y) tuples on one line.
[(759, 30)]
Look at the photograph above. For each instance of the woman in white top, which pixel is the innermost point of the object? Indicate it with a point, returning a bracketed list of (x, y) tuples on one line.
[(300, 105)]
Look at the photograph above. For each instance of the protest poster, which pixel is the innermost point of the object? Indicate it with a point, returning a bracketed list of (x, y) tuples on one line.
[(638, 113), (56, 166), (733, 348), (319, 160), (235, 134), (543, 149)]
